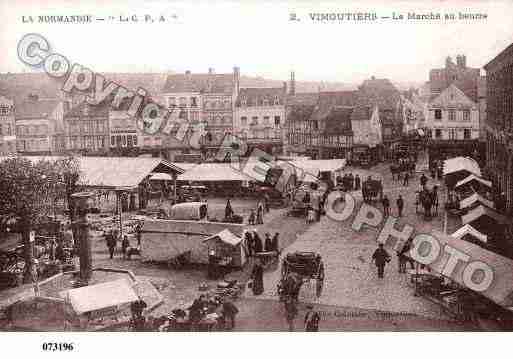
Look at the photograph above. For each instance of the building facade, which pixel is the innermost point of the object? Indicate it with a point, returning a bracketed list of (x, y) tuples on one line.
[(7, 127), (39, 126), (206, 99), (452, 117), (86, 129), (499, 123), (463, 77), (259, 118)]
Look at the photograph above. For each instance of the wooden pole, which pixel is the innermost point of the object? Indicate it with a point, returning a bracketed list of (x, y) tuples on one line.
[(81, 205)]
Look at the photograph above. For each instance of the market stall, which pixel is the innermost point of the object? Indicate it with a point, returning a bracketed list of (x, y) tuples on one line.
[(470, 234), (473, 184), (458, 168), (96, 306), (225, 251), (452, 289)]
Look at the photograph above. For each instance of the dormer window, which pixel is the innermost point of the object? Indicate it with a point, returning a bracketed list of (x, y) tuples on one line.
[(266, 102), (243, 101), (276, 100)]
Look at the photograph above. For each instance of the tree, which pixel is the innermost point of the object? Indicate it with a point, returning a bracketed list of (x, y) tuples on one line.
[(28, 191)]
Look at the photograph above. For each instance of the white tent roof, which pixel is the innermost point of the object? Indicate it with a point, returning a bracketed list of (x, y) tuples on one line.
[(161, 177), (468, 229), (113, 172), (473, 178), (480, 211), (316, 166), (100, 296), (476, 198), (457, 164), (214, 172), (225, 236)]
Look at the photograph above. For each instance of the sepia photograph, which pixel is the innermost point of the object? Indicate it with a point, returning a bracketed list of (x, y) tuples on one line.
[(255, 166)]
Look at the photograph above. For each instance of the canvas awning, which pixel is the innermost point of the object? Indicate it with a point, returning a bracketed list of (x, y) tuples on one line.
[(214, 172), (316, 166), (114, 172), (473, 179), (482, 211), (501, 288), (468, 229), (161, 177), (225, 236), (475, 198), (458, 164), (100, 296)]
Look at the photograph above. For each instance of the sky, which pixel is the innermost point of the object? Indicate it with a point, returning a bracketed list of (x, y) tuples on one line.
[(260, 39)]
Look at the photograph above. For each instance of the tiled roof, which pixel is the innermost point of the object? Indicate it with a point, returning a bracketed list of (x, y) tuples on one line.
[(40, 108), (300, 113), (304, 98), (256, 96), (379, 92), (216, 83), (328, 100), (92, 111), (338, 121)]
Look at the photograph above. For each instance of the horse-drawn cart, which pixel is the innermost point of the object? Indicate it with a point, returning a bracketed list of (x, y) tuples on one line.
[(298, 268)]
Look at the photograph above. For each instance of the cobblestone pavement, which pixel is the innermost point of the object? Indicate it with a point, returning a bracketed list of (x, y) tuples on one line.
[(351, 278)]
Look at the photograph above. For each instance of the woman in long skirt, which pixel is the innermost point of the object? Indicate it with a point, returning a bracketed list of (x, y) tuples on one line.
[(258, 279)]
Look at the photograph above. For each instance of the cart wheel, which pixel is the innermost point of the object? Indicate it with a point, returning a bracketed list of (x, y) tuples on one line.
[(320, 281)]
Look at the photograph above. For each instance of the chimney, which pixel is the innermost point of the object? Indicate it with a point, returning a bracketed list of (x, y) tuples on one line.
[(448, 62), (211, 71), (285, 87), (292, 83), (236, 79), (461, 61), (373, 78), (33, 97)]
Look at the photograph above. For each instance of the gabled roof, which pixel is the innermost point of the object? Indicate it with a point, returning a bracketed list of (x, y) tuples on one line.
[(475, 198), (452, 96), (456, 164), (468, 229), (214, 172), (32, 109), (361, 113), (300, 113), (380, 92), (472, 178), (257, 96), (304, 98), (328, 100), (482, 211), (213, 83)]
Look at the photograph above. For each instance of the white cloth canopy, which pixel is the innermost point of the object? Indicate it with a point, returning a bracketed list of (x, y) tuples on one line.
[(475, 198), (161, 177), (214, 172), (100, 296), (315, 166), (456, 164), (473, 178), (468, 229), (225, 236)]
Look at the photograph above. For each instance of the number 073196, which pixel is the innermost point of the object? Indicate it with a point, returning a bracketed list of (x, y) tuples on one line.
[(58, 347)]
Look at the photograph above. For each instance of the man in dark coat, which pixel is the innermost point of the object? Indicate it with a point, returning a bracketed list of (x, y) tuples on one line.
[(357, 182), (423, 180), (312, 319), (257, 242), (229, 311), (228, 212), (381, 258), (275, 245), (406, 178), (249, 244), (268, 243), (386, 206), (400, 205), (111, 243)]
